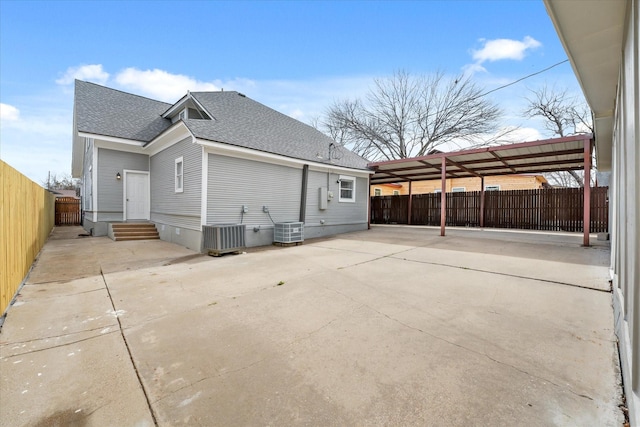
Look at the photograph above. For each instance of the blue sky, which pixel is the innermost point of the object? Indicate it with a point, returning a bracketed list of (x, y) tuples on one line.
[(295, 57)]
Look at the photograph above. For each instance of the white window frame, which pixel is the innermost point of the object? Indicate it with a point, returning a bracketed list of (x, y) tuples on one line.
[(491, 188), (377, 192), (351, 199), (458, 189), (179, 177), (396, 192)]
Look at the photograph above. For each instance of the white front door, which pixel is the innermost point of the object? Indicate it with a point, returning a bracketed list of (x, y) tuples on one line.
[(136, 195)]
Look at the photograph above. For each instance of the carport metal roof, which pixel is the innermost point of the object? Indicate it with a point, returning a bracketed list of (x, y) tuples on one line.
[(550, 155), (559, 154)]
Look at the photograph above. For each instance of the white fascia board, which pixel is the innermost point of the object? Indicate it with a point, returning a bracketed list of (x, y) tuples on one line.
[(176, 133), (359, 173), (260, 156), (117, 146), (176, 106), (112, 140)]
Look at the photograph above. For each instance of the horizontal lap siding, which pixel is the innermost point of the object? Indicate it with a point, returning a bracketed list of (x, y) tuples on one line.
[(337, 212), (110, 190), (167, 206), (87, 178), (234, 182)]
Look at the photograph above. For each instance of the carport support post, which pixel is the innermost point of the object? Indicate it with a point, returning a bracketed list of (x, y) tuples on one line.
[(443, 196), (409, 207), (586, 220), (482, 202)]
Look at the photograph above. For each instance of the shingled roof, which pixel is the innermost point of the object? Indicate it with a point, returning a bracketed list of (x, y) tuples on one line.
[(103, 111), (237, 120)]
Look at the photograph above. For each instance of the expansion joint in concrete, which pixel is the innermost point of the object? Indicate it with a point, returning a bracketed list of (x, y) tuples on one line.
[(133, 363)]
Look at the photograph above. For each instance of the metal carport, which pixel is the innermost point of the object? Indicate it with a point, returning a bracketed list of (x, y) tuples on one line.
[(550, 155)]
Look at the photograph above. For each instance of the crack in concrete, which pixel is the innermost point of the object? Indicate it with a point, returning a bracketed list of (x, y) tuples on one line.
[(243, 368), (54, 346), (606, 291), (133, 363), (479, 353), (55, 336), (394, 256)]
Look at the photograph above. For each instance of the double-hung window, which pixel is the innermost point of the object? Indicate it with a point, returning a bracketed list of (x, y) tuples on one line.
[(347, 189), (179, 175)]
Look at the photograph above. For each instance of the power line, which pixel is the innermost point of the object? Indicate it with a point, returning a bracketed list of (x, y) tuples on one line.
[(520, 79)]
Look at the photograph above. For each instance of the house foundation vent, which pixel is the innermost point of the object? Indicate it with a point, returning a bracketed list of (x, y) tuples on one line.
[(223, 238), (288, 232)]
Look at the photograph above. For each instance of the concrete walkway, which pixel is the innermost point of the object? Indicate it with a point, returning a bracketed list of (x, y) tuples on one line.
[(392, 326)]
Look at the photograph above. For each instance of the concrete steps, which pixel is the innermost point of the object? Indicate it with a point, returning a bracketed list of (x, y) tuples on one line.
[(133, 231)]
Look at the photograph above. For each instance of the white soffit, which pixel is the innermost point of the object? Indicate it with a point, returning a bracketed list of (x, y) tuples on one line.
[(592, 35)]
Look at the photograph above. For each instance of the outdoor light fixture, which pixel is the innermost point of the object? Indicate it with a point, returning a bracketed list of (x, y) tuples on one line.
[(118, 176)]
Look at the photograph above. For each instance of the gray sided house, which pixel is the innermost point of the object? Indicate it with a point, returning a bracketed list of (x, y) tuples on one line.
[(210, 158)]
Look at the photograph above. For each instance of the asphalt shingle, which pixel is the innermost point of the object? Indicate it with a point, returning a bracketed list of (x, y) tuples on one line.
[(238, 121)]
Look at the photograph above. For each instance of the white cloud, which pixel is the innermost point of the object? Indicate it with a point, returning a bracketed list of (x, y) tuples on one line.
[(471, 69), (160, 84), (9, 113), (498, 49), (93, 73)]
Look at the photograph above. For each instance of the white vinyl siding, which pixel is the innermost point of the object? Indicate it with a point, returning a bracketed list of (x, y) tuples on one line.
[(178, 209), (336, 213), (87, 181), (235, 182), (110, 190)]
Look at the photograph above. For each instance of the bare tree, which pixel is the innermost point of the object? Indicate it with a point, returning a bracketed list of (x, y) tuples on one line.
[(563, 115), (61, 182), (406, 116)]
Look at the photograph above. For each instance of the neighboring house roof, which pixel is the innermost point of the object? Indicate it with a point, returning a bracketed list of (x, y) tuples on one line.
[(237, 120), (64, 193)]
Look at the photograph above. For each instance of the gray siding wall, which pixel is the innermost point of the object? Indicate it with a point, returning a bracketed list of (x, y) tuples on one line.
[(110, 190), (181, 210), (235, 182), (337, 213), (87, 179)]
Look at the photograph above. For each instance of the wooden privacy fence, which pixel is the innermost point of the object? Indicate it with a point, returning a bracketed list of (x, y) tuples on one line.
[(26, 219), (544, 209), (68, 211)]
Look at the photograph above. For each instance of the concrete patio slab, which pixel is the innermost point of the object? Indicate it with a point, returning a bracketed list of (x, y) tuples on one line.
[(392, 326)]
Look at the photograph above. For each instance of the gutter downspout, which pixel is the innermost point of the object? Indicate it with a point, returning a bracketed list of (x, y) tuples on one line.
[(303, 193)]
